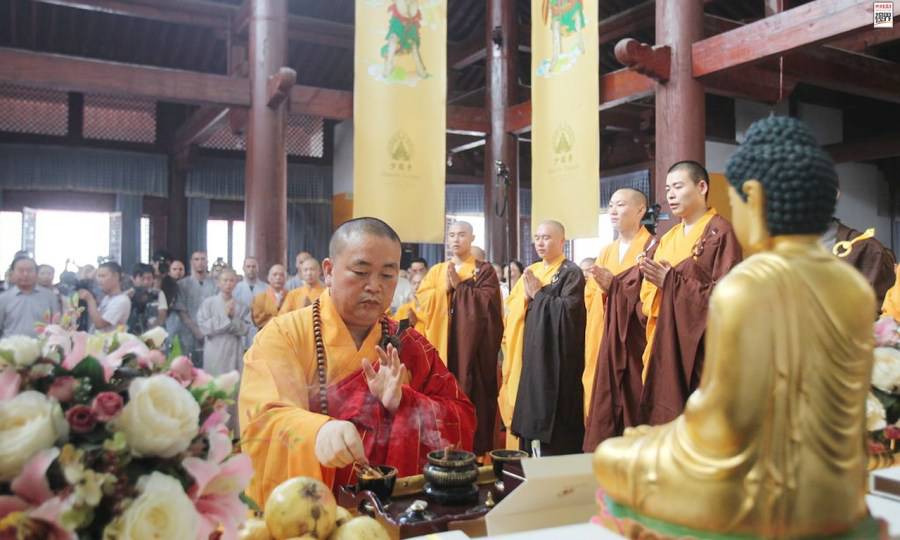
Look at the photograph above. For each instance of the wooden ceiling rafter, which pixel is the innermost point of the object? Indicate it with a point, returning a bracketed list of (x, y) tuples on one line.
[(803, 26)]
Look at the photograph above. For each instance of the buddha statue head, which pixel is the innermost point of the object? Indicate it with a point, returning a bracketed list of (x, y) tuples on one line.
[(782, 183)]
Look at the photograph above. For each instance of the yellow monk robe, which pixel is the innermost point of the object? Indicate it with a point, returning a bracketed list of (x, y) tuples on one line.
[(300, 298), (265, 306), (595, 302), (674, 247), (278, 429), (403, 313), (891, 305), (513, 341), (433, 297)]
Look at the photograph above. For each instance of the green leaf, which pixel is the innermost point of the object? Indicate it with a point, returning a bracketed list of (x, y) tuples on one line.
[(251, 504), (8, 356), (174, 350), (90, 368)]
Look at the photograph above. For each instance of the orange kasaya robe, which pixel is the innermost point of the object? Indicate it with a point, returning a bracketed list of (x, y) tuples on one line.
[(300, 298), (265, 306), (674, 247), (891, 305), (513, 342), (404, 311), (278, 401), (595, 300)]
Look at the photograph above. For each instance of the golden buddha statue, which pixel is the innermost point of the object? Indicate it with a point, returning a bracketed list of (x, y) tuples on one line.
[(771, 445)]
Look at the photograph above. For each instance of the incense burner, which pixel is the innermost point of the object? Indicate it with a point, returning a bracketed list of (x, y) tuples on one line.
[(451, 476)]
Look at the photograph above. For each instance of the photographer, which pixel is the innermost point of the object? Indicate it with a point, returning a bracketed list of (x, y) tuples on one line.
[(144, 300), (113, 311)]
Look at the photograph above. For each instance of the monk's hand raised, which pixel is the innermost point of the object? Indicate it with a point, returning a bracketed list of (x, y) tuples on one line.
[(453, 279), (532, 284), (602, 276), (338, 444), (386, 384), (655, 272)]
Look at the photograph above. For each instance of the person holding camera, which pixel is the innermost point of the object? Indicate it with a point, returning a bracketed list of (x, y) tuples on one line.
[(115, 307), (144, 299)]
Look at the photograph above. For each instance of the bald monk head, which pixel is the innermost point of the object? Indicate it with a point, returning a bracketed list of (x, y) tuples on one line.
[(586, 264), (277, 277), (549, 240), (310, 272), (626, 209), (415, 280), (479, 253), (460, 235), (362, 268), (687, 187), (298, 262)]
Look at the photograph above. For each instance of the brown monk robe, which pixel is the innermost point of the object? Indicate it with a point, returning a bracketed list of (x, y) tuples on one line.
[(459, 304), (678, 281), (874, 261), (615, 339)]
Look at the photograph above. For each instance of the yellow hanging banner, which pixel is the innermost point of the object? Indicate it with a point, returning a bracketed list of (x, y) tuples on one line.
[(399, 115), (565, 126)]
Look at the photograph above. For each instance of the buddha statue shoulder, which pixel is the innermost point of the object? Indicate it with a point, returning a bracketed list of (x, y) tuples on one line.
[(771, 445)]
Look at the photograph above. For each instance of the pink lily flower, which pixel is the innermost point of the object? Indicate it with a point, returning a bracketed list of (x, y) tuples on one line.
[(33, 496), (10, 382), (218, 482)]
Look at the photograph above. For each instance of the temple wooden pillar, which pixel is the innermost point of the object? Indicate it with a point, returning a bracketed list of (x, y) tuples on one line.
[(176, 215), (501, 191), (265, 185), (680, 102)]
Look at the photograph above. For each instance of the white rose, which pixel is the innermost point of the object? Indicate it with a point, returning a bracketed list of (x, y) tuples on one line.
[(161, 417), (19, 351), (29, 423), (227, 381), (886, 370), (875, 414), (155, 337), (162, 510)]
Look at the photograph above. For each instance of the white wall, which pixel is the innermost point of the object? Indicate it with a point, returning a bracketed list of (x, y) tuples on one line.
[(717, 155), (343, 158), (863, 191)]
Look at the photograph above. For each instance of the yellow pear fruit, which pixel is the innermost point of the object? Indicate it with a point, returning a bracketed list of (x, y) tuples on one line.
[(300, 506), (360, 528)]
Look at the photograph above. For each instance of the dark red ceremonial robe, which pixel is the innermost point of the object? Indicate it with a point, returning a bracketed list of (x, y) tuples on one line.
[(616, 398), (676, 360), (476, 330), (872, 259)]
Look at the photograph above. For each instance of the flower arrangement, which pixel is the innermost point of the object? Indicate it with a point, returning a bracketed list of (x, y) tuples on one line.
[(104, 436), (883, 403)]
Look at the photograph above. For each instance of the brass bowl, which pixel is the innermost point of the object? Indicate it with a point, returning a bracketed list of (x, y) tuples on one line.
[(502, 457), (381, 487), (452, 459)]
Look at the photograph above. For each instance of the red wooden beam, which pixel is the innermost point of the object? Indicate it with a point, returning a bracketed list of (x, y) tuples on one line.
[(74, 74), (654, 62), (860, 41), (880, 147), (616, 88), (809, 24), (190, 12), (200, 126)]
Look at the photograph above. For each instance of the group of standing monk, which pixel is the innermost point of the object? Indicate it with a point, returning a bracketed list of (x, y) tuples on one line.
[(338, 382)]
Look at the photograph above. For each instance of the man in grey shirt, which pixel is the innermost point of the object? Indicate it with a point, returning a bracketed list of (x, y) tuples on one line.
[(192, 291), (247, 289), (115, 307), (23, 305)]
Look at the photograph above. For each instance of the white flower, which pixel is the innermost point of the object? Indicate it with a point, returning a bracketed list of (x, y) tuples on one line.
[(886, 370), (227, 381), (162, 510), (160, 419), (19, 351), (875, 414), (155, 336), (29, 423)]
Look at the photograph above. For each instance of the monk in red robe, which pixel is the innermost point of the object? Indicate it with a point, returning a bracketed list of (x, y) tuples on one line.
[(865, 253), (335, 383), (678, 281)]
